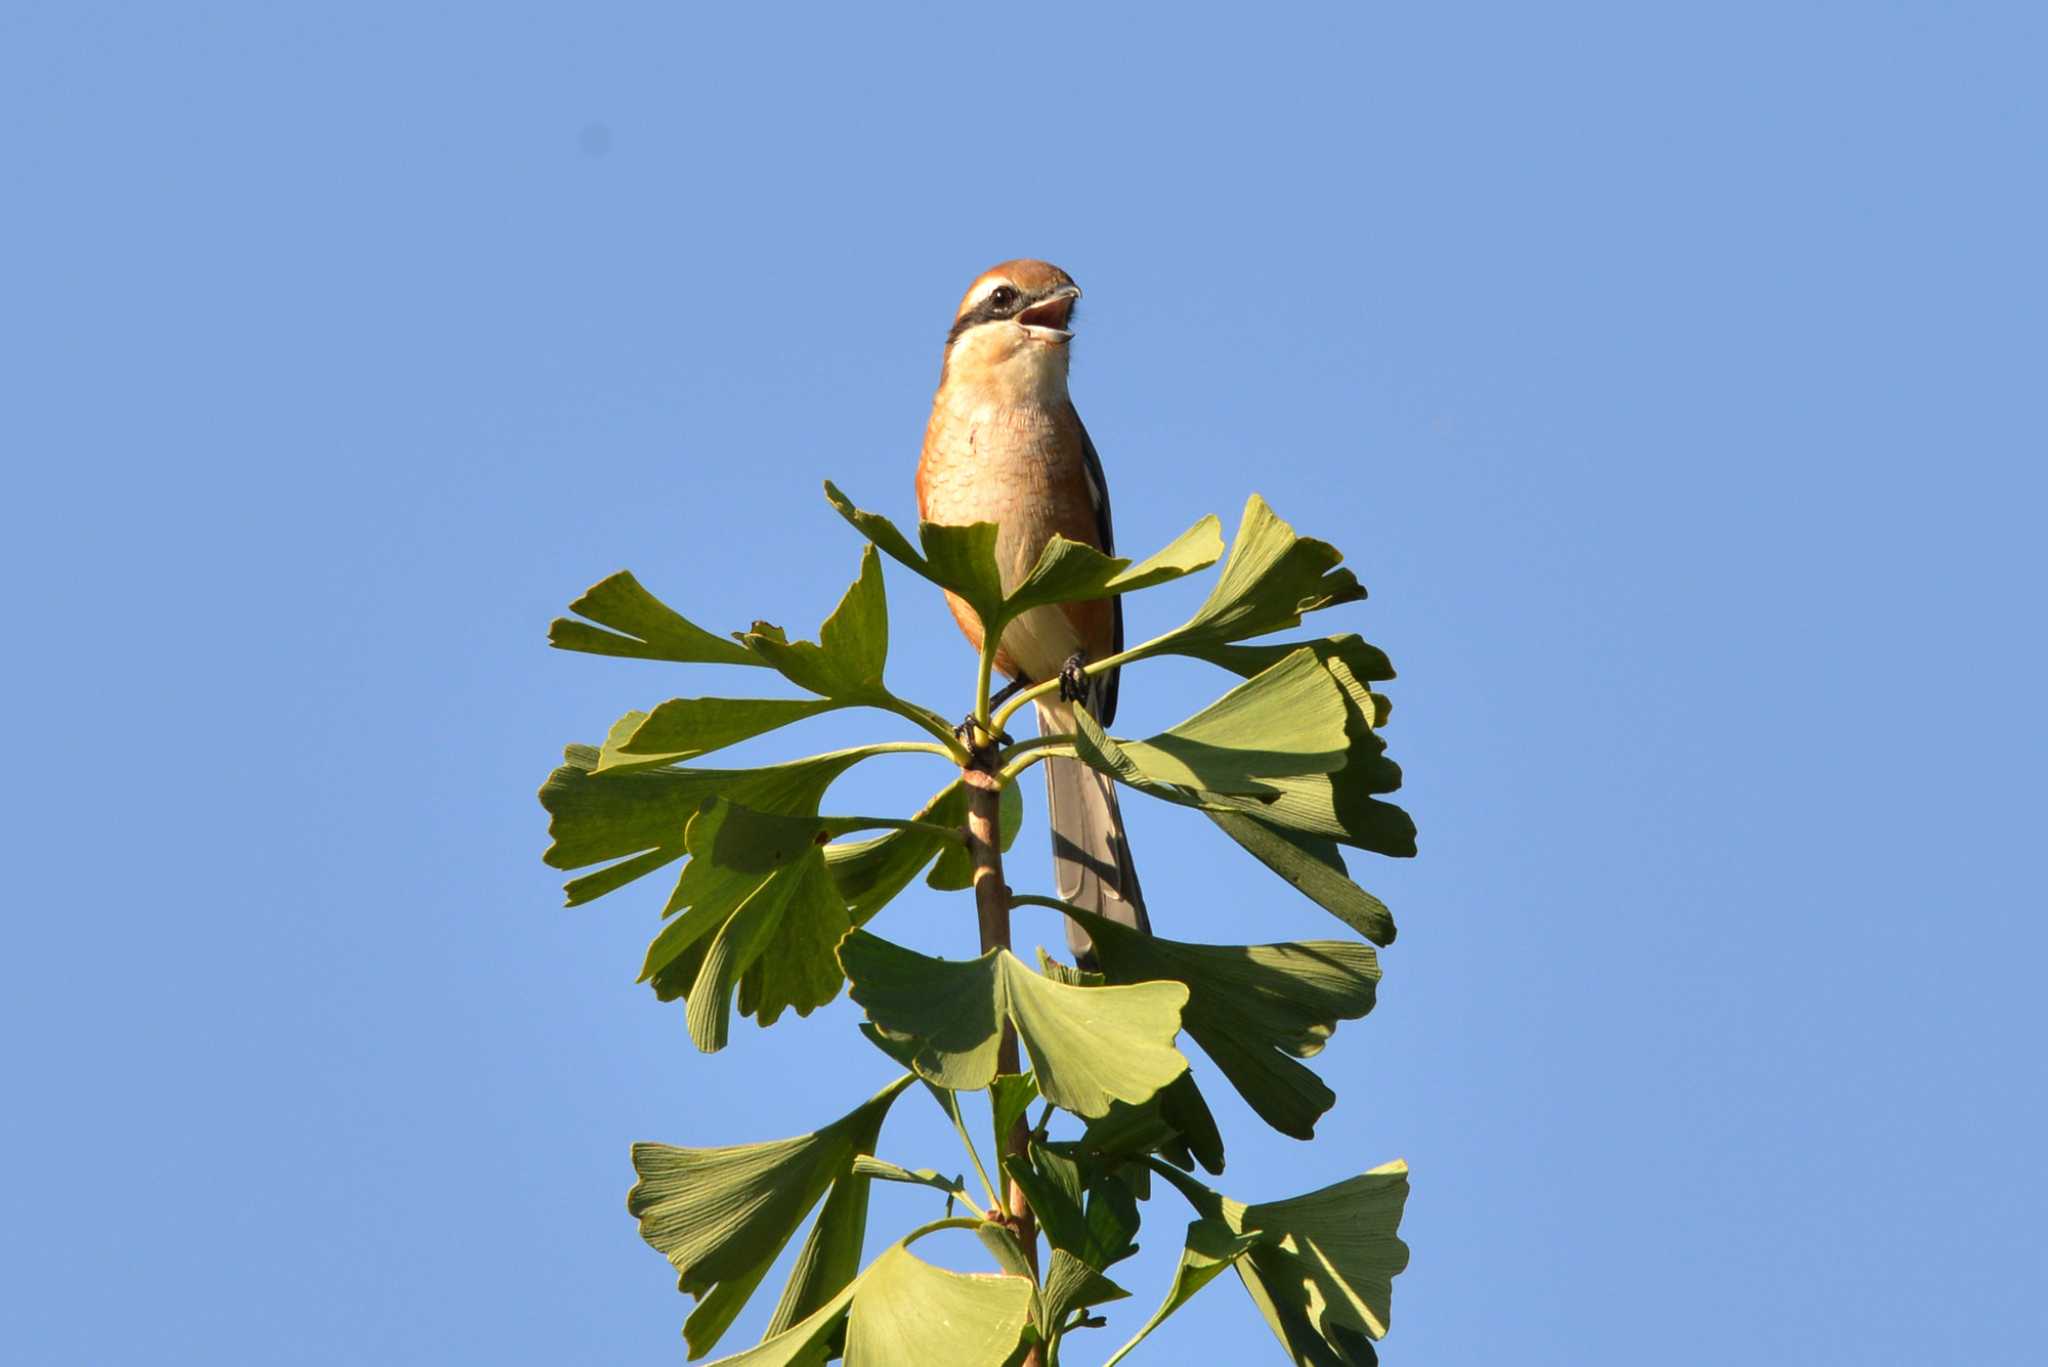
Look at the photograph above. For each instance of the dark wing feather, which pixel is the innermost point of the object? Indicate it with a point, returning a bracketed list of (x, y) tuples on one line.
[(1102, 693)]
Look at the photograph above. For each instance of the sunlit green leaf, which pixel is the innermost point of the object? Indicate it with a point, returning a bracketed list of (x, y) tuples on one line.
[(907, 1313), (1174, 1122), (1338, 806), (1342, 805), (684, 728), (721, 1216), (852, 649), (1270, 579), (1071, 1284), (1052, 1184), (1288, 721), (1008, 1098), (1321, 1270), (962, 561), (761, 915), (640, 818), (870, 872), (1255, 1009), (1072, 572), (1314, 865), (885, 1171), (643, 628), (1088, 1047), (1210, 1249), (804, 1343), (1361, 661)]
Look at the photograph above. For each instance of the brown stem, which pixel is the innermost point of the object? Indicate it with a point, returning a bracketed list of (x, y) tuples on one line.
[(992, 905)]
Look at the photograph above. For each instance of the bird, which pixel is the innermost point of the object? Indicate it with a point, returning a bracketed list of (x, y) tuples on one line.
[(1005, 445)]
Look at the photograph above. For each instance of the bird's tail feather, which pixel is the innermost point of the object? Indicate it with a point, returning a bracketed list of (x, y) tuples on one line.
[(1091, 858)]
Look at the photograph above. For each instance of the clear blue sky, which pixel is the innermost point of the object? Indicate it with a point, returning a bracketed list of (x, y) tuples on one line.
[(1672, 375)]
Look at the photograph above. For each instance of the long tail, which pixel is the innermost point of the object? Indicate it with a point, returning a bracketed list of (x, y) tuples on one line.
[(1091, 859)]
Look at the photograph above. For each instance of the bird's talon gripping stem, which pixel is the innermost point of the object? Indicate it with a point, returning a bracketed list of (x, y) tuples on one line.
[(1073, 682), (979, 742)]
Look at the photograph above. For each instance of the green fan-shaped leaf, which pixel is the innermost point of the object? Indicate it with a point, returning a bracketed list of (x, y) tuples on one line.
[(884, 1171), (643, 628), (1008, 1098), (1343, 805), (684, 728), (761, 916), (1072, 572), (1210, 1249), (1287, 721), (1361, 661), (962, 561), (1313, 865), (1321, 1266), (1271, 578), (805, 1343), (1174, 1123), (907, 1313), (1326, 1269), (1255, 1009), (639, 819), (721, 1216), (1070, 1285), (1338, 806), (1089, 1046), (852, 649)]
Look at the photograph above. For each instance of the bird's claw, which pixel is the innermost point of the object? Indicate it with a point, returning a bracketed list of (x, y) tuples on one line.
[(977, 739), (1073, 681)]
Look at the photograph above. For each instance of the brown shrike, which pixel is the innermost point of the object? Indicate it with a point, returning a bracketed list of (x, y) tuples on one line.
[(1004, 445)]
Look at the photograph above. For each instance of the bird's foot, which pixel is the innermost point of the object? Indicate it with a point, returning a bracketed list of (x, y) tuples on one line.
[(978, 740), (1074, 682)]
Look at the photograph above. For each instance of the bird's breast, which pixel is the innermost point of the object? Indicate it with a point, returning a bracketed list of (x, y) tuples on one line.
[(1024, 469)]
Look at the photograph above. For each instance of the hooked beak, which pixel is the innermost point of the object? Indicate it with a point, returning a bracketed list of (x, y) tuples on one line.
[(1046, 320)]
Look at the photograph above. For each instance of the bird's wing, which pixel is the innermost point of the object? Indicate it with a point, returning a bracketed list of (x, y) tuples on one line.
[(1102, 696)]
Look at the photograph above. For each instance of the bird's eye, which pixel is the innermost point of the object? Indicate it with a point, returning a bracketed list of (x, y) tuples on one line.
[(1002, 296)]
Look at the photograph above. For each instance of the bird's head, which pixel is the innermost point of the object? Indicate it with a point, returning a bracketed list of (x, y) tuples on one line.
[(1012, 329)]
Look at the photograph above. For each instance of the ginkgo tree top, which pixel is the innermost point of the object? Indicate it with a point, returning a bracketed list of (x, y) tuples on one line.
[(774, 910)]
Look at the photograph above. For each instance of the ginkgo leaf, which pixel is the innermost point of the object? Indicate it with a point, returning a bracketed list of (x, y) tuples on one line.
[(1287, 722), (684, 728), (1070, 1285), (1320, 1267), (1313, 865), (721, 1216), (1073, 572), (962, 561), (639, 818), (1175, 1122), (852, 649), (643, 628), (908, 1313), (884, 1171), (760, 915), (1255, 1009), (1008, 1098), (1089, 1047), (1211, 1248), (1326, 1268), (1270, 579)]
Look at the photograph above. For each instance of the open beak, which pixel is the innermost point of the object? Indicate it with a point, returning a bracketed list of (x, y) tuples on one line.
[(1047, 319)]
